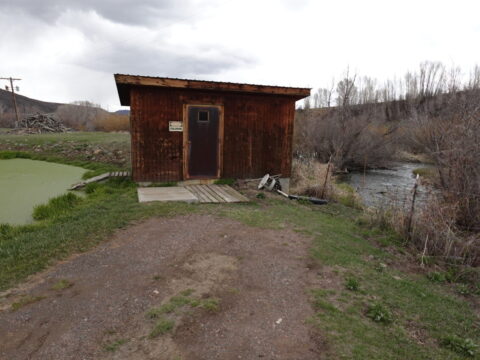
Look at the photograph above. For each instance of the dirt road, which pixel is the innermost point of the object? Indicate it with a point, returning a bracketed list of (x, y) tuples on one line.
[(190, 287)]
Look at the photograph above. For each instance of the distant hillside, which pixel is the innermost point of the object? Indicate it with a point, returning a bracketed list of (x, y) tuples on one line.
[(25, 104), (122, 112), (79, 115)]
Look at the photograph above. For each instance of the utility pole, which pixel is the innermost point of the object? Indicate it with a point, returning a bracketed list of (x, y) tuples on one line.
[(14, 98)]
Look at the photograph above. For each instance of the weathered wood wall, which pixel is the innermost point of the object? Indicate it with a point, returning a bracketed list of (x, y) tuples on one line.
[(258, 131)]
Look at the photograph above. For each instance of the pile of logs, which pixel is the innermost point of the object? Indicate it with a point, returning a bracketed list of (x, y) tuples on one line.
[(41, 123)]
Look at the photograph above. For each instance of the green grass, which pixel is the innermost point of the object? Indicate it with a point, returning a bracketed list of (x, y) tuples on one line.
[(379, 313), (181, 301), (80, 137), (352, 284), (411, 302), (114, 345), (415, 304), (465, 347), (56, 206), (162, 327), (26, 300), (224, 181), (62, 284), (211, 305)]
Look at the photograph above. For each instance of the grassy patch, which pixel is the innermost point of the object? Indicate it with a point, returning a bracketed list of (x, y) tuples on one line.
[(347, 196), (224, 181), (260, 196), (62, 284), (180, 301), (26, 300), (114, 345), (211, 305), (352, 284), (162, 327), (465, 347), (379, 313), (56, 206)]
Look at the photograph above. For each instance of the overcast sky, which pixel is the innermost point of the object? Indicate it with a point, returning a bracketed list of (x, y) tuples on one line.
[(67, 50)]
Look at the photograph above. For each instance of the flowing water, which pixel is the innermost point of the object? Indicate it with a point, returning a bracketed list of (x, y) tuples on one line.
[(384, 186), (25, 183)]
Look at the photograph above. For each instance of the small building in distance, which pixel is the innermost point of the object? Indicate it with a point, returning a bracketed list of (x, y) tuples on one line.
[(203, 130)]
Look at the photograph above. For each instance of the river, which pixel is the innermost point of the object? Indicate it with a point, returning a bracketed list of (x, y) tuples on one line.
[(381, 187)]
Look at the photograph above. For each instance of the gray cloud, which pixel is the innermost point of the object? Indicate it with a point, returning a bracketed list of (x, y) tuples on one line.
[(142, 59), (122, 46), (121, 11)]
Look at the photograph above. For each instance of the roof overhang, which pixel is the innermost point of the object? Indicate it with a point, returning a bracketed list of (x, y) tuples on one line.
[(126, 82)]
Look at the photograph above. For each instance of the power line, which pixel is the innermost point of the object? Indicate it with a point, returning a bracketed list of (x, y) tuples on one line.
[(13, 96)]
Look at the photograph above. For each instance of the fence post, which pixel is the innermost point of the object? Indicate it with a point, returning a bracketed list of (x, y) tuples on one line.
[(326, 178), (412, 208)]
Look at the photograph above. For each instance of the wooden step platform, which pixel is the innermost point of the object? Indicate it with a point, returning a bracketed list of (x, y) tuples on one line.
[(100, 178), (216, 194), (191, 193)]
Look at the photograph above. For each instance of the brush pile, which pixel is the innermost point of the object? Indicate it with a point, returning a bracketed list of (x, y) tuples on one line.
[(41, 123)]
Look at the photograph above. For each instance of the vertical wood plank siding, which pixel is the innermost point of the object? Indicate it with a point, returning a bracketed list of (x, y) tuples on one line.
[(258, 132)]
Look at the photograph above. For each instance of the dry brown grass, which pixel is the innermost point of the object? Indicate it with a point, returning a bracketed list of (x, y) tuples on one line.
[(112, 122), (433, 231), (309, 177)]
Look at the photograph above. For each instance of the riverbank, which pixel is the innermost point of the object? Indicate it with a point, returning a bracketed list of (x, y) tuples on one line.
[(369, 296)]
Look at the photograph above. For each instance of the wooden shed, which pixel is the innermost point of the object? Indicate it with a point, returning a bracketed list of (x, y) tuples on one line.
[(190, 129)]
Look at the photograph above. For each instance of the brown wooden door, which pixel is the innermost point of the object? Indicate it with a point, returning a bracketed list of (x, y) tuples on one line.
[(203, 142)]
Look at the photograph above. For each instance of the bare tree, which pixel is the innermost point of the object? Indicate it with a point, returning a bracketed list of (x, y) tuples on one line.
[(80, 115)]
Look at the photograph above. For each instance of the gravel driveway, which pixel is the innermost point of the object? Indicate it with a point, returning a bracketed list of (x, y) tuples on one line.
[(235, 292)]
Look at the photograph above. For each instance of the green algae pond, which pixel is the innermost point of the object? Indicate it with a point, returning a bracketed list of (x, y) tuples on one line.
[(25, 183)]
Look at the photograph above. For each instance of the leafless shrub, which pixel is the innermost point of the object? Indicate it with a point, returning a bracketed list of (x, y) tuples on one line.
[(111, 122), (79, 115), (354, 134), (310, 177), (434, 232), (450, 135), (431, 111), (7, 120)]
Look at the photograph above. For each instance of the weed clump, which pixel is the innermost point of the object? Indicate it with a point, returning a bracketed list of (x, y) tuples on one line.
[(319, 301), (113, 346), (379, 313), (352, 284), (465, 347), (211, 305), (436, 277), (224, 182), (26, 300), (62, 284), (162, 327)]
